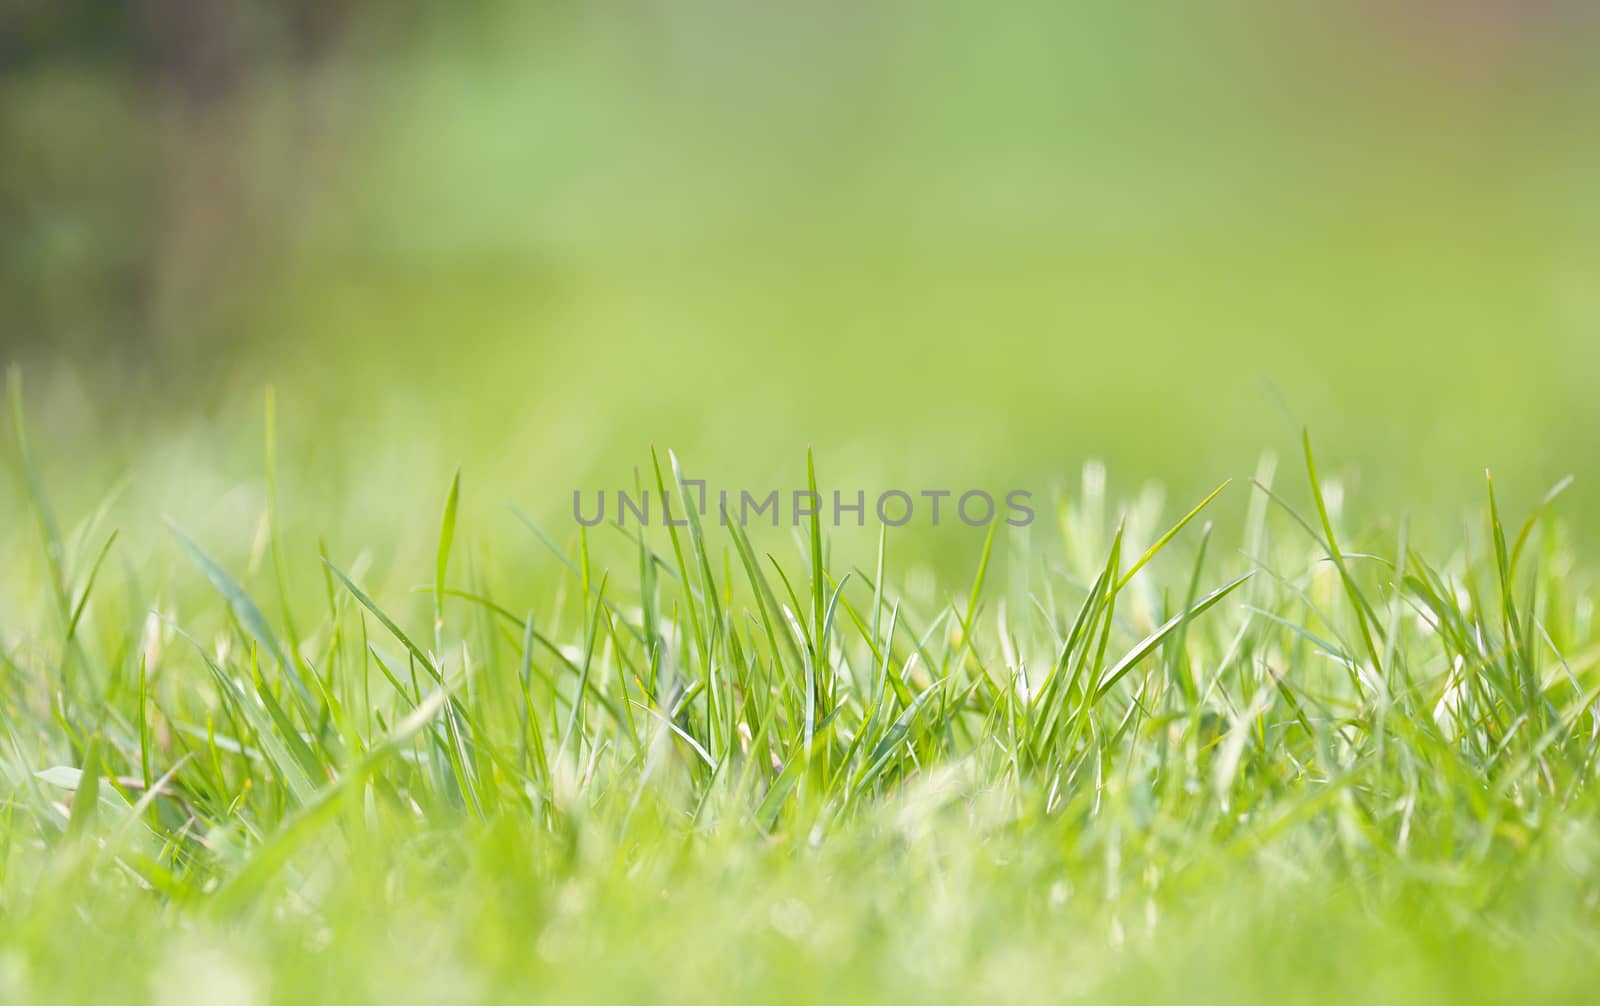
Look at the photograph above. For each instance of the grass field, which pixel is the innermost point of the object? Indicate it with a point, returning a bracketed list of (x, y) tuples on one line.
[(1121, 755), (318, 314)]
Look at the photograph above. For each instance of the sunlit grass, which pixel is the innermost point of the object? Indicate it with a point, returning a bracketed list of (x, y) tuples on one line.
[(1137, 762)]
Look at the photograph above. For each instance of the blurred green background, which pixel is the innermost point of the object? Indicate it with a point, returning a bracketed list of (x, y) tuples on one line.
[(946, 244)]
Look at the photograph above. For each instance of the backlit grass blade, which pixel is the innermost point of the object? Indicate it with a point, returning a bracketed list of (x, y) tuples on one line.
[(1172, 532), (245, 610), (441, 562), (1363, 612), (88, 585), (1150, 642)]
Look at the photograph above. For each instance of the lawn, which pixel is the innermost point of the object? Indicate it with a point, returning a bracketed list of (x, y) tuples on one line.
[(1129, 756), (327, 325)]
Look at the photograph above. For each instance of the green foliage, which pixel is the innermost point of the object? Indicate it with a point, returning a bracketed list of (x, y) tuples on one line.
[(1321, 766)]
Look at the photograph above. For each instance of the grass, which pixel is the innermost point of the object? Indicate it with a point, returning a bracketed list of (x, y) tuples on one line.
[(1123, 762)]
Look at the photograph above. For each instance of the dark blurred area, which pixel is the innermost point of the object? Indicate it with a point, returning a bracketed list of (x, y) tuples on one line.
[(155, 152)]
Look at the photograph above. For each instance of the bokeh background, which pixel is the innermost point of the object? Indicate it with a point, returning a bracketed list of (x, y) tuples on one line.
[(946, 244)]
